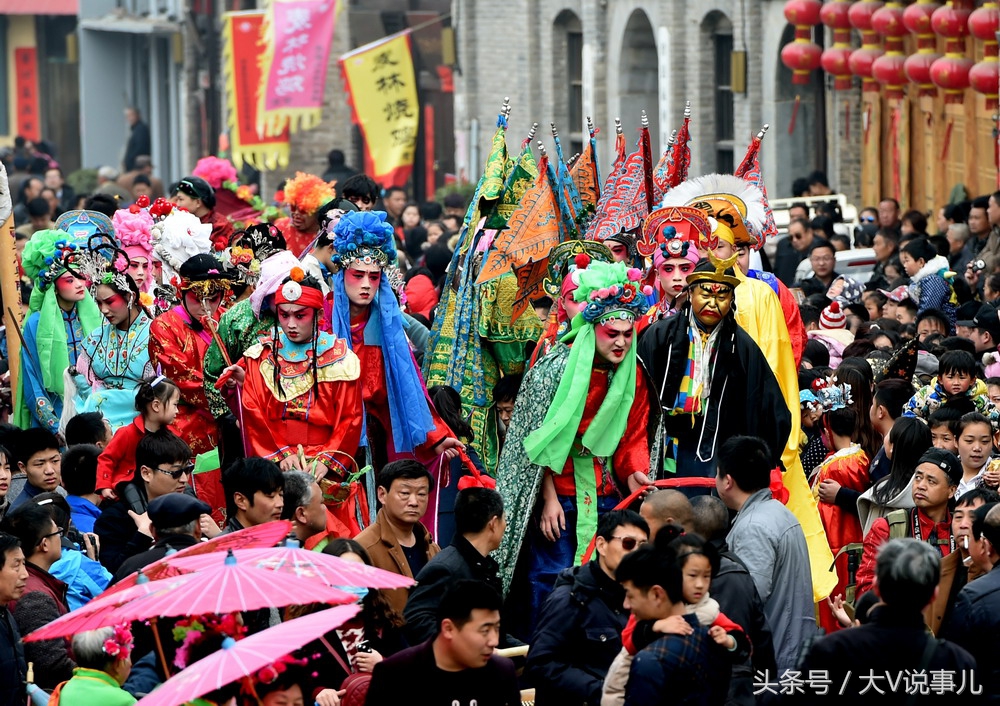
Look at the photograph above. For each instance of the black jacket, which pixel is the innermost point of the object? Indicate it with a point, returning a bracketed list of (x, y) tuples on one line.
[(745, 398), (413, 677), (120, 539), (892, 643), (974, 624), (459, 560), (786, 260), (734, 589), (577, 636), (155, 553), (13, 669)]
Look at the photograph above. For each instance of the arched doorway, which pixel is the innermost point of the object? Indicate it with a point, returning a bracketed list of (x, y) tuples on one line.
[(567, 79), (639, 83)]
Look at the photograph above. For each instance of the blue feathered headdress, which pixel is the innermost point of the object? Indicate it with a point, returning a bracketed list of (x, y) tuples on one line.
[(365, 236)]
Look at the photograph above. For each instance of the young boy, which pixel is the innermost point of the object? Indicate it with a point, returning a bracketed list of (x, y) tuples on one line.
[(956, 379), (945, 425), (906, 312)]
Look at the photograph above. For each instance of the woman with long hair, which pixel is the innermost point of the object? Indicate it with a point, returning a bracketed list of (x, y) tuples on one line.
[(906, 442), (861, 402), (114, 359)]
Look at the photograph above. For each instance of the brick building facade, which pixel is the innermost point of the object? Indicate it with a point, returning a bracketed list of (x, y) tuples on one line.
[(562, 60)]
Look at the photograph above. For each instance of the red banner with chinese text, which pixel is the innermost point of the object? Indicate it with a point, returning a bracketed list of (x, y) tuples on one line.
[(383, 93), (26, 87), (241, 33), (297, 36)]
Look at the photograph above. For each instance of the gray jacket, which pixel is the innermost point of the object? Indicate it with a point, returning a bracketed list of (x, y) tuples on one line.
[(768, 538)]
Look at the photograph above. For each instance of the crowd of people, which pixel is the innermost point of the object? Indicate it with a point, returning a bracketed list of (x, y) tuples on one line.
[(663, 471)]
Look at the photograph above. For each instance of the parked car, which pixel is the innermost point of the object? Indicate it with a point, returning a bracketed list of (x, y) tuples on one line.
[(857, 264)]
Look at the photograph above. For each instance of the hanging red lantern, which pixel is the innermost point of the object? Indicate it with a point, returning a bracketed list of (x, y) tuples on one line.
[(835, 59), (984, 77), (917, 19), (861, 60), (802, 55), (888, 68), (951, 72)]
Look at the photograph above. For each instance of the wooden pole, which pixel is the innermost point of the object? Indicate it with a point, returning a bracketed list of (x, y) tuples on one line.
[(10, 300)]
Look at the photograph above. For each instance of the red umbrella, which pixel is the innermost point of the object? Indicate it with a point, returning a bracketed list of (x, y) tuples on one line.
[(333, 570), (242, 658), (265, 535)]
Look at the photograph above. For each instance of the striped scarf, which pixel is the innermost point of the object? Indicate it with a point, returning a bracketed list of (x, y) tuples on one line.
[(696, 385)]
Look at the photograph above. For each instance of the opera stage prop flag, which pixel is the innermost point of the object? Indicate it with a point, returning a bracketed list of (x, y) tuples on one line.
[(241, 33), (297, 36), (383, 93)]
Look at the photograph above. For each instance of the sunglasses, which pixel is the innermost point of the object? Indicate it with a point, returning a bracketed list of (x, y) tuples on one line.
[(629, 543), (176, 475), (867, 219)]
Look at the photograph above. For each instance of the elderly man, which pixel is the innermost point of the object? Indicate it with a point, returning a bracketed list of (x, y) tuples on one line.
[(895, 641)]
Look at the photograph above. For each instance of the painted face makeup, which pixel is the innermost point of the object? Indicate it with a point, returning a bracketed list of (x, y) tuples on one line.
[(114, 307), (71, 289), (361, 281), (672, 275), (614, 339), (619, 251), (711, 303), (202, 307), (296, 322), (138, 267)]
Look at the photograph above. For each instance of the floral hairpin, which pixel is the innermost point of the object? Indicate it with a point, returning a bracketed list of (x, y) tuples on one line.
[(673, 244), (120, 644)]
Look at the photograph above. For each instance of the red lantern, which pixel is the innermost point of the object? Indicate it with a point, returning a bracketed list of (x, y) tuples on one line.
[(951, 72), (802, 55), (888, 68), (984, 76), (835, 59), (860, 63), (917, 19)]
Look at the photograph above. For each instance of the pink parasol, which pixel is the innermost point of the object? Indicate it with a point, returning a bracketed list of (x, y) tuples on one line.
[(265, 535), (332, 570), (242, 658), (106, 610), (225, 586)]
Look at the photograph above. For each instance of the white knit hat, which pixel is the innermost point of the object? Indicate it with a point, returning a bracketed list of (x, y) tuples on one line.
[(833, 317)]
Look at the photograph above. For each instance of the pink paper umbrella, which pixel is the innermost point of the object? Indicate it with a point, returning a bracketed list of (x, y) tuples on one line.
[(265, 535), (106, 610), (332, 570), (242, 658), (229, 586)]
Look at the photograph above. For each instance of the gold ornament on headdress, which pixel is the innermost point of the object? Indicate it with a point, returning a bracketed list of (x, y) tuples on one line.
[(719, 276)]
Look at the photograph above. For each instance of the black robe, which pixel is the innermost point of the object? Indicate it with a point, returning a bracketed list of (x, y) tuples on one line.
[(745, 398)]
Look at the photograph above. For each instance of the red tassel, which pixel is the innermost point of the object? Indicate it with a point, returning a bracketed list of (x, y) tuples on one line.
[(947, 141), (795, 114)]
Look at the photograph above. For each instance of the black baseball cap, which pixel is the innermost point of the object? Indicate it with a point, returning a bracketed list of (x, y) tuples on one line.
[(946, 461), (987, 318), (176, 510)]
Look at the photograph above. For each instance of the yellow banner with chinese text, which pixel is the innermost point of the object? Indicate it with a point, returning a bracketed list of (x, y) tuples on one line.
[(383, 93)]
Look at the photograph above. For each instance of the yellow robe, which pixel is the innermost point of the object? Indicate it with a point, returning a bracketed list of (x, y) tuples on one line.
[(759, 313)]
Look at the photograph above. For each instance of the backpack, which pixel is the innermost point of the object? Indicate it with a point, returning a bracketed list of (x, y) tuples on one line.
[(899, 527)]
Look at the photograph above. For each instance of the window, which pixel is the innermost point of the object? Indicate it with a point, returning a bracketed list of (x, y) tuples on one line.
[(724, 114), (574, 64)]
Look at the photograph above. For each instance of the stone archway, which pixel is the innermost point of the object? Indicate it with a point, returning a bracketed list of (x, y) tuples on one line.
[(638, 87)]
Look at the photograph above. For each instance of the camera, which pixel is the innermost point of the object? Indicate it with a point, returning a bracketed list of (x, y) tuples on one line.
[(364, 646), (978, 265)]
